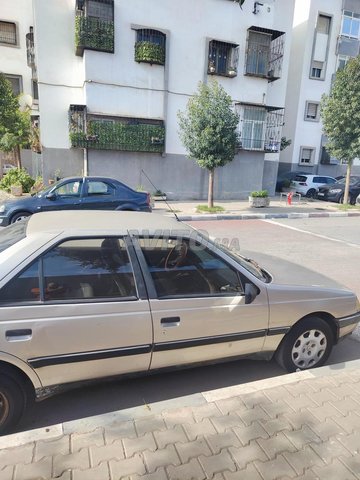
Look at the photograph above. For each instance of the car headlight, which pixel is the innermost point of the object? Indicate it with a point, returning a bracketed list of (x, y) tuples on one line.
[(335, 190), (2, 208)]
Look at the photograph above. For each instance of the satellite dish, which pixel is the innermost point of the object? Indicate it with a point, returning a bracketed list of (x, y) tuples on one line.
[(25, 101)]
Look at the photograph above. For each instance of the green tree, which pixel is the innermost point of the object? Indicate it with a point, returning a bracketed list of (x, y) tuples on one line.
[(208, 130), (340, 114), (14, 124)]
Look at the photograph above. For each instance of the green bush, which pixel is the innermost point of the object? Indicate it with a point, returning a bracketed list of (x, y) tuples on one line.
[(17, 176), (150, 53), (259, 194)]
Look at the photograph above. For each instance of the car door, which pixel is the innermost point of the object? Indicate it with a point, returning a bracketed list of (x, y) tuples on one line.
[(76, 312), (66, 196), (198, 304), (99, 195)]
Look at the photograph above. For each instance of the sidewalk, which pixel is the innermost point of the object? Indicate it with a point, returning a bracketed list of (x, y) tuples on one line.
[(303, 425), (240, 210)]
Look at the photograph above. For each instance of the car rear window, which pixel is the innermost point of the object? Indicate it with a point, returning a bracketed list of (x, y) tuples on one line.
[(300, 178), (12, 234)]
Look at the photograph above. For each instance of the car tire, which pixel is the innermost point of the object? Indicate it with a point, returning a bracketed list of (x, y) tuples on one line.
[(19, 216), (307, 345), (12, 401), (311, 193)]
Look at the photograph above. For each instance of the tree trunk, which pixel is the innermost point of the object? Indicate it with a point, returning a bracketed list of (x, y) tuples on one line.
[(347, 182), (211, 189), (17, 156)]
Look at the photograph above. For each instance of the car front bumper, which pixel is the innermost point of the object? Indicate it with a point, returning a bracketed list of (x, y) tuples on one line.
[(4, 221), (346, 325), (329, 197)]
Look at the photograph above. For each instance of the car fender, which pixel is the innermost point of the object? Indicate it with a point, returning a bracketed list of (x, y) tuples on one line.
[(127, 206), (23, 366)]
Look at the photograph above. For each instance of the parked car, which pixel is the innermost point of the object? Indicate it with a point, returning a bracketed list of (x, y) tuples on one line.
[(286, 177), (112, 293), (335, 192), (308, 185), (76, 193), (7, 167)]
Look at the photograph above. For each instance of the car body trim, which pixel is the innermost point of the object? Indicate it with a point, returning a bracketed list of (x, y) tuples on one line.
[(349, 320), (39, 362), (278, 331)]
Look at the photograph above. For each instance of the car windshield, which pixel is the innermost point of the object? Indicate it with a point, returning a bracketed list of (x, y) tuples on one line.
[(249, 264), (46, 190), (353, 180), (12, 234)]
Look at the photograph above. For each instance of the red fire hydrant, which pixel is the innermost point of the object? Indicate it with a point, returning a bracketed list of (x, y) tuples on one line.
[(289, 198)]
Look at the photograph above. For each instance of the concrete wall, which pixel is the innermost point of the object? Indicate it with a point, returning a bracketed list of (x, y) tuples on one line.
[(65, 162)]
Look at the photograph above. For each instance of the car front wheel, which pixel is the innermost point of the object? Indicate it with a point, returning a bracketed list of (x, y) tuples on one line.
[(19, 216), (311, 193), (307, 345), (12, 402)]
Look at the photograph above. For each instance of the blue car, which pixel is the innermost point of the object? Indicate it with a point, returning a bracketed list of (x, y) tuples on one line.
[(76, 193)]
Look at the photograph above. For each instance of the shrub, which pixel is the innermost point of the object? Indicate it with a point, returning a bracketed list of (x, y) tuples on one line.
[(17, 176), (259, 194)]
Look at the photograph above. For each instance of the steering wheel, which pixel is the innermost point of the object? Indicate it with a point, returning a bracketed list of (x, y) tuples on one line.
[(176, 256)]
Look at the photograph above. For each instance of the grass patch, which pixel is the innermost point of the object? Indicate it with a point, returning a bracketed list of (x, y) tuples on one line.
[(173, 210), (346, 207), (206, 209)]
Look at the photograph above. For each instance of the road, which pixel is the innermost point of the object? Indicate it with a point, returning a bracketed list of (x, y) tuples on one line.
[(330, 246)]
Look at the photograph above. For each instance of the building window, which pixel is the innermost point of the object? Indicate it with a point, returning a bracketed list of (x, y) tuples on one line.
[(323, 24), (306, 155), (350, 26), (16, 83), (312, 111), (150, 46), (342, 61), (223, 58), (100, 9), (35, 90), (8, 33), (320, 47), (317, 69)]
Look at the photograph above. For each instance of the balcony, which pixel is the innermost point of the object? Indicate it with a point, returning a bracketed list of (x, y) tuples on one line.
[(30, 49), (115, 133), (223, 59), (150, 47)]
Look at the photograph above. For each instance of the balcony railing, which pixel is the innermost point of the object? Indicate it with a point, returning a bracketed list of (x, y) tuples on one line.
[(30, 49), (93, 33), (115, 133)]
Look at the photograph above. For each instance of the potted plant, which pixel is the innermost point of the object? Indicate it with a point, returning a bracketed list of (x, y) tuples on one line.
[(259, 198), (159, 195), (16, 189)]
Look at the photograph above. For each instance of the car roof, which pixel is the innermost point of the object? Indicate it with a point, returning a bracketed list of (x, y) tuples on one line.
[(99, 221)]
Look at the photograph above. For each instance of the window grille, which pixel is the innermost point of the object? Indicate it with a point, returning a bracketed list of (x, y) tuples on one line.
[(223, 58), (8, 33)]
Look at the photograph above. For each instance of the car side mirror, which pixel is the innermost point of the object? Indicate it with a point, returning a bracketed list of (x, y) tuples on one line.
[(51, 196), (250, 293)]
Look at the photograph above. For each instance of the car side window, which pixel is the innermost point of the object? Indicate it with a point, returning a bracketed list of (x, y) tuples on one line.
[(187, 268), (88, 268), (69, 189), (25, 287), (96, 188)]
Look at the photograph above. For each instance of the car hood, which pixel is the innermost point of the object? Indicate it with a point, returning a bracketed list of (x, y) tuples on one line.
[(326, 188), (23, 201)]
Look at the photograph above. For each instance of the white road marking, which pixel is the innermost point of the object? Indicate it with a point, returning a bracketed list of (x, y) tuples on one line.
[(313, 234)]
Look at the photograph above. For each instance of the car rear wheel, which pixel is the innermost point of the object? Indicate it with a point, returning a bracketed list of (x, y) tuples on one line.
[(307, 345), (19, 216), (12, 402), (311, 193)]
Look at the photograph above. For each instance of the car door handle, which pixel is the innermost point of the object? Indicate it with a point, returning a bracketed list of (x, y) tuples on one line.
[(18, 335), (170, 321)]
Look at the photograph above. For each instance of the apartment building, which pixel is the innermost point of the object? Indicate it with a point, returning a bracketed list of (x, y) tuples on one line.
[(325, 36), (112, 75)]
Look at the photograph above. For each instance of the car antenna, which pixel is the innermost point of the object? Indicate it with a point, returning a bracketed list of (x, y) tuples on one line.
[(170, 208)]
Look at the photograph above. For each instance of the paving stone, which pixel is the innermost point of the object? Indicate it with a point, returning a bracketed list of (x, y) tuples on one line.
[(84, 440), (7, 473), (245, 455), (119, 430), (323, 396), (193, 449), (346, 405), (300, 419), (217, 463), (327, 429), (39, 470), (225, 422), (249, 473), (206, 411), (335, 471), (275, 426), (12, 456), (276, 468), (351, 442), (160, 474), (257, 398), (230, 405), (48, 448), (299, 388), (128, 466), (252, 415), (303, 459), (281, 392), (343, 391), (151, 424), (106, 452), (330, 449), (101, 472), (302, 437), (350, 423), (275, 409), (178, 416), (79, 460), (325, 411), (203, 428), (173, 435), (277, 444), (161, 458), (134, 445), (353, 464), (252, 432), (300, 402), (65, 476), (187, 471), (320, 383), (223, 440)]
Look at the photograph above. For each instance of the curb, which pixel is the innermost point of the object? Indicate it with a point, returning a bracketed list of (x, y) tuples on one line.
[(83, 425), (265, 216)]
